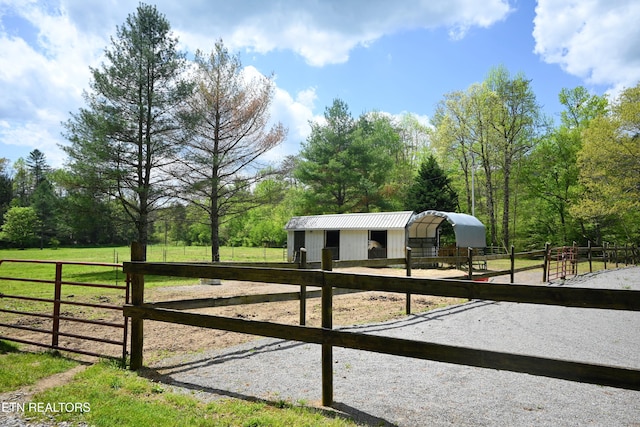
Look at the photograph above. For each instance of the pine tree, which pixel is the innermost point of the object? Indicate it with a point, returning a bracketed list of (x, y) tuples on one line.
[(129, 131), (431, 189)]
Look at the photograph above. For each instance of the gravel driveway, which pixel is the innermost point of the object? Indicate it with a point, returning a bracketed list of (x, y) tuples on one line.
[(390, 390)]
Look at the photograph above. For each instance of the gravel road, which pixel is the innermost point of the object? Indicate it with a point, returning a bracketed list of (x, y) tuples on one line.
[(378, 389)]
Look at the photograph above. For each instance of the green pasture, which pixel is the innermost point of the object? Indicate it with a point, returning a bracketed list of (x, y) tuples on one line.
[(109, 275)]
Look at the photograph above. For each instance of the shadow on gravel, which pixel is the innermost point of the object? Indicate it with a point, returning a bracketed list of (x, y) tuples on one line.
[(280, 345), (245, 353), (360, 416), (167, 372), (415, 319), (337, 410)]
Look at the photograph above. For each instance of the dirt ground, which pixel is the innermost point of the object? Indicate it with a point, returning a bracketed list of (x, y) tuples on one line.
[(163, 340)]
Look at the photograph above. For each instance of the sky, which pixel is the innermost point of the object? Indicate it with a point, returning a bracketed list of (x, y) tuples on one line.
[(395, 57)]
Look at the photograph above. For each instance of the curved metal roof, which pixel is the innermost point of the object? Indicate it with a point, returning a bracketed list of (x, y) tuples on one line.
[(470, 232)]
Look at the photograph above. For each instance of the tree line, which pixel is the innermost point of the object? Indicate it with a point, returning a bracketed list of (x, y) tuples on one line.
[(170, 150)]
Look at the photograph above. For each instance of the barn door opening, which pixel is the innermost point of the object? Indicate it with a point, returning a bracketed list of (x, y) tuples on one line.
[(377, 244), (332, 242), (298, 242)]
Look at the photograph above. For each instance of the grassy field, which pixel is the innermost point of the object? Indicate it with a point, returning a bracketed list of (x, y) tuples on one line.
[(117, 396), (108, 275)]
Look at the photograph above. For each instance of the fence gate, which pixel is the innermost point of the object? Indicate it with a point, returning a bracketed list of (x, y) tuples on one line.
[(563, 263), (49, 313)]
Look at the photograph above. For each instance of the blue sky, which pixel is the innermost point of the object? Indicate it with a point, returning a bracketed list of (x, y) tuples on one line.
[(395, 57)]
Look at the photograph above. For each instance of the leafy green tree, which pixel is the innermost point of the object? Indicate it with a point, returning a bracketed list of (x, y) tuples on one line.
[(45, 203), (122, 142), (382, 160), (229, 133), (22, 183), (516, 122), (6, 187), (431, 189), (493, 125), (550, 173), (264, 225), (87, 215), (453, 139), (609, 164), (464, 135), (20, 226)]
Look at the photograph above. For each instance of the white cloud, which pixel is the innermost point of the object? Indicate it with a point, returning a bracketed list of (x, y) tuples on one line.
[(44, 71), (295, 114), (322, 32), (596, 40), (44, 66)]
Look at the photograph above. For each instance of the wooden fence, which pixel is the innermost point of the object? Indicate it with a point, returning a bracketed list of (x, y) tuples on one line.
[(329, 282)]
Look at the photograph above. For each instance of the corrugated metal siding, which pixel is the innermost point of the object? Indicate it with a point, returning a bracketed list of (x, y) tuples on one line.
[(290, 245), (354, 244), (357, 221), (315, 242), (395, 244)]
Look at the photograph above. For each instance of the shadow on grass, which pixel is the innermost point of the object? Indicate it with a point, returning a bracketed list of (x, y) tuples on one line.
[(6, 347), (337, 410)]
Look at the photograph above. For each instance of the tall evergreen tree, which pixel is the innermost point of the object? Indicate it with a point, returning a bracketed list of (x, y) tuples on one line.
[(37, 164), (346, 163), (431, 189), (126, 136)]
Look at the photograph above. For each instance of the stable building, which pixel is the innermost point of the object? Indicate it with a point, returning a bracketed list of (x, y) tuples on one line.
[(360, 236)]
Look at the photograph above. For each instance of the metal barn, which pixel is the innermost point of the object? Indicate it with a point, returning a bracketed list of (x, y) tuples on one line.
[(360, 236)]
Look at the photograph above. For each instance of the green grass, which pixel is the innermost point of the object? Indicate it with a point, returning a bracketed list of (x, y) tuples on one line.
[(100, 274), (18, 369), (119, 397)]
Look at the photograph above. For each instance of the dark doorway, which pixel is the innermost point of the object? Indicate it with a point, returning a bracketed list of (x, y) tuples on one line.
[(377, 244), (332, 242), (298, 242)]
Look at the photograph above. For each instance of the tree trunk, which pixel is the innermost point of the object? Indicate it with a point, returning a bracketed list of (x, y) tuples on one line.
[(215, 229), (505, 212)]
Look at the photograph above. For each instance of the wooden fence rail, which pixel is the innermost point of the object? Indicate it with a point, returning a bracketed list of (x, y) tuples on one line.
[(330, 281)]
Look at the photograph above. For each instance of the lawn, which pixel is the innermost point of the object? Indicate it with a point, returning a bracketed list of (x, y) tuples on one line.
[(97, 274), (107, 275), (104, 394)]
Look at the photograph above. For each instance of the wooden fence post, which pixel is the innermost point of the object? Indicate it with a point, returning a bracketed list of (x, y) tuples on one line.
[(408, 262), (138, 253), (513, 264), (547, 261), (57, 295), (615, 253), (327, 323), (470, 260), (590, 257), (303, 289), (604, 254), (626, 254)]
